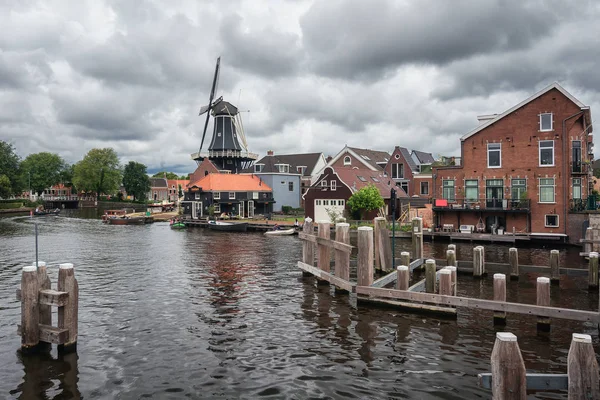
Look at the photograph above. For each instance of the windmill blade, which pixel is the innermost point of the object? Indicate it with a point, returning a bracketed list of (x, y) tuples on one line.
[(210, 100), (204, 109)]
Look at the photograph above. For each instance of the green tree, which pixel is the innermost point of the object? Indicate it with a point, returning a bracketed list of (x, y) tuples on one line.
[(366, 199), (135, 180), (98, 172), (169, 175), (180, 191), (42, 170), (5, 188), (183, 177), (10, 168)]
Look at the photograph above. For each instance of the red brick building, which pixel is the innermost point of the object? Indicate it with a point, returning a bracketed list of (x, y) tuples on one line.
[(522, 170), (409, 173)]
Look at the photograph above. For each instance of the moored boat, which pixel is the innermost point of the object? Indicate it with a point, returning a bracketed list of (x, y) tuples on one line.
[(127, 220), (40, 212), (281, 232), (228, 226), (108, 214)]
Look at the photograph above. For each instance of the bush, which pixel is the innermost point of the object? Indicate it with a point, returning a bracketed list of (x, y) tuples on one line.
[(286, 209), (13, 204)]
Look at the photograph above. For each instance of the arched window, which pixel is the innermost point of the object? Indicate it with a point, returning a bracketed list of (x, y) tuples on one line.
[(347, 160)]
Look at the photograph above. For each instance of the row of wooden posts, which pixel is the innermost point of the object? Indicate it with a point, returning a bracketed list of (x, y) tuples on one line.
[(37, 299), (438, 291)]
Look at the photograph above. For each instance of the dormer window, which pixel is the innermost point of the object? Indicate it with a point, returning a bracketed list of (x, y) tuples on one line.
[(546, 122), (347, 160), (258, 167), (283, 168), (324, 184), (301, 170)]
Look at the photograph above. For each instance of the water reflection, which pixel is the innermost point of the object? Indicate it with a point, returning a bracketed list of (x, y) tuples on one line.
[(42, 370)]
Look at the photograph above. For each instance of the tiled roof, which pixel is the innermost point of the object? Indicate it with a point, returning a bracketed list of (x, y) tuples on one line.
[(158, 182), (409, 160), (374, 157), (424, 158), (231, 183), (308, 160), (357, 178)]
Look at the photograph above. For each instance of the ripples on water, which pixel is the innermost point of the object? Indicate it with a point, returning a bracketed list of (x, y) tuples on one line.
[(202, 314)]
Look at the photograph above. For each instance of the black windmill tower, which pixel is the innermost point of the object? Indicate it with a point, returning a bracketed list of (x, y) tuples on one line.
[(228, 149)]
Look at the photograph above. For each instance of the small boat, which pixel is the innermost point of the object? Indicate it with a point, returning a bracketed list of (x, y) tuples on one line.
[(108, 214), (281, 232), (125, 220), (176, 224), (228, 226), (40, 212)]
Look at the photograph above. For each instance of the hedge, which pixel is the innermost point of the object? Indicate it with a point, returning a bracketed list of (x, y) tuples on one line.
[(6, 205)]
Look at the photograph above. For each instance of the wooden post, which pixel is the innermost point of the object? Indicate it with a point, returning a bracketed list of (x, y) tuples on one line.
[(582, 369), (44, 283), (417, 238), (67, 315), (308, 248), (450, 258), (403, 280), (30, 312), (483, 270), (452, 247), (509, 379), (430, 276), (383, 245), (365, 256), (593, 270), (554, 271), (342, 259), (445, 282), (587, 247), (405, 258), (452, 270), (513, 259), (543, 299), (324, 251), (499, 295), (477, 262)]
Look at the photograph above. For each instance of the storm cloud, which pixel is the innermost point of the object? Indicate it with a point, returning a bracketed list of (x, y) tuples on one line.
[(308, 76)]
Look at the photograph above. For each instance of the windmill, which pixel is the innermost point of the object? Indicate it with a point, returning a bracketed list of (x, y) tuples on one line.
[(228, 148)]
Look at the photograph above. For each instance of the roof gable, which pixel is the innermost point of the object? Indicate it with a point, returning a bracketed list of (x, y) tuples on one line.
[(492, 121), (368, 158)]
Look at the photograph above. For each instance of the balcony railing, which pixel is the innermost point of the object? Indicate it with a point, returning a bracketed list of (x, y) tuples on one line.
[(586, 204), (482, 204), (579, 168)]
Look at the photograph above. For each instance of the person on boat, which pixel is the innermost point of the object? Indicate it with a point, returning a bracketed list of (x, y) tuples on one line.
[(296, 224), (276, 227)]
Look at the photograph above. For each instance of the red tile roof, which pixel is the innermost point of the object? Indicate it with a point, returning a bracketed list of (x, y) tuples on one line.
[(352, 177), (231, 183)]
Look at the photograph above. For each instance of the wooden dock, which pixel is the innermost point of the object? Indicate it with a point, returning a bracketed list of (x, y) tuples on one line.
[(252, 226)]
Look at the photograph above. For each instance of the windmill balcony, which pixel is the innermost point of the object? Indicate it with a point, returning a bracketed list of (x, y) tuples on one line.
[(471, 205), (225, 153)]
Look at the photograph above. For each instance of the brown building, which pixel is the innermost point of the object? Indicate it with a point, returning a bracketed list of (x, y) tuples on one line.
[(411, 171), (523, 170)]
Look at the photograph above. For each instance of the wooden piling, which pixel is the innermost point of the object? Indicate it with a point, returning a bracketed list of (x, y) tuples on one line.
[(509, 380), (543, 299), (308, 248), (554, 267), (452, 247), (445, 286), (477, 262), (405, 258), (452, 270), (342, 259), (513, 260), (403, 279), (582, 369), (30, 312), (67, 315), (589, 234), (324, 251), (417, 238), (593, 270), (451, 258), (383, 245), (365, 256), (499, 295), (430, 276), (44, 283)]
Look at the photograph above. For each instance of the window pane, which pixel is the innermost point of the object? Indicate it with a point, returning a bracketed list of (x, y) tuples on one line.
[(494, 154), (546, 122)]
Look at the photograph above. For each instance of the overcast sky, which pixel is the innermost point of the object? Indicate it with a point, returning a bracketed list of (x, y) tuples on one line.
[(314, 75)]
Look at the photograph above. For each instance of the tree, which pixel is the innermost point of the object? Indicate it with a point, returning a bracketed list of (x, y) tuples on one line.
[(42, 170), (9, 167), (180, 191), (169, 175), (135, 180), (366, 199), (184, 177), (5, 188), (99, 172)]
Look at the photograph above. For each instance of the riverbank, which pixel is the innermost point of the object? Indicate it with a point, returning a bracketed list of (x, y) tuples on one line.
[(20, 210)]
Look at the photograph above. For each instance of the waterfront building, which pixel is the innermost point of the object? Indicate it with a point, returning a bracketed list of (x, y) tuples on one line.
[(159, 189), (236, 195), (525, 170)]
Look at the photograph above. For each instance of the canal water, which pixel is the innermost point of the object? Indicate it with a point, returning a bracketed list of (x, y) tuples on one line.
[(201, 314)]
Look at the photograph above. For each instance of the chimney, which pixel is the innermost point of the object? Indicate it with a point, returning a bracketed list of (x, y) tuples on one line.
[(269, 152), (329, 158)]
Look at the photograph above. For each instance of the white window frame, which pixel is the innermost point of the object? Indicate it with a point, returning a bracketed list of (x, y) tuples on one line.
[(333, 184), (499, 150), (196, 196), (217, 207), (217, 195), (545, 148), (476, 187), (258, 167), (551, 122), (579, 185), (317, 202), (254, 195), (396, 169), (231, 195), (347, 160), (427, 185), (546, 221), (324, 184), (291, 186), (546, 186), (452, 196)]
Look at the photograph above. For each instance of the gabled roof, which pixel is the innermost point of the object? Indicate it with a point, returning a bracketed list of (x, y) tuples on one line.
[(357, 178), (308, 160), (545, 90), (374, 157), (158, 182), (424, 158), (409, 160), (231, 183)]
